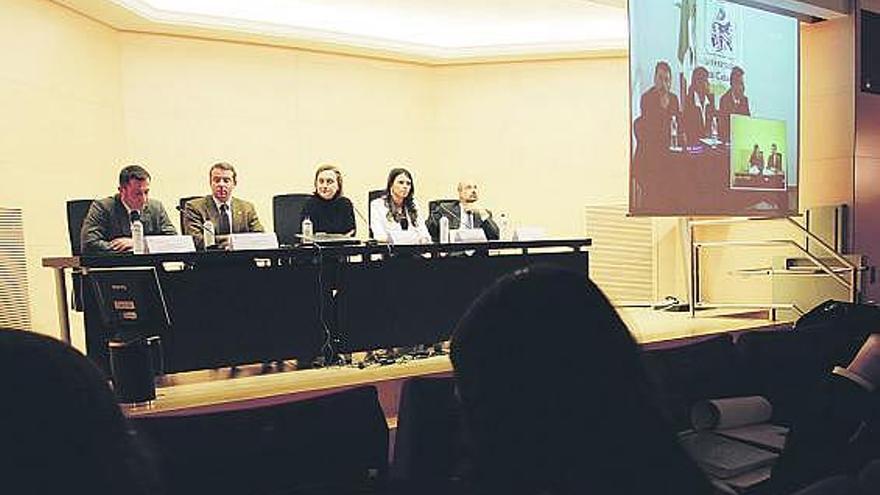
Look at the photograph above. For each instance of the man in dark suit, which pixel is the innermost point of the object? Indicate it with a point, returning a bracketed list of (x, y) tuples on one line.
[(659, 106), (659, 131), (228, 215), (107, 226), (774, 162), (699, 107), (463, 213), (733, 102)]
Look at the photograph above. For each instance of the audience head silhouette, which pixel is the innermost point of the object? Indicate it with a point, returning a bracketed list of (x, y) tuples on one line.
[(554, 395), (62, 429)]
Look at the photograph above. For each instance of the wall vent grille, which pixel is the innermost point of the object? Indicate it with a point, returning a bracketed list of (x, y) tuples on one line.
[(14, 303), (622, 261)]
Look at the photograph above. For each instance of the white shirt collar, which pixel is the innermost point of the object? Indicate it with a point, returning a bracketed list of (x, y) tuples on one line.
[(217, 203), (700, 102), (465, 218), (129, 209)]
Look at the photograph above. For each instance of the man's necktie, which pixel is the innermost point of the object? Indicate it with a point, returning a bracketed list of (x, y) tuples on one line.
[(223, 228)]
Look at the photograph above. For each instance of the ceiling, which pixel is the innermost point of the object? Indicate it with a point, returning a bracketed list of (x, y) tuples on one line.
[(425, 31)]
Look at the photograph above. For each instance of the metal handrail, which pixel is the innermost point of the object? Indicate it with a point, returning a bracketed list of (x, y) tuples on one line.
[(791, 306), (852, 268), (727, 221), (730, 221), (780, 242), (834, 254), (772, 307)]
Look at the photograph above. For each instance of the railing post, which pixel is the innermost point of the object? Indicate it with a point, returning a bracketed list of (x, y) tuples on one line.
[(695, 273), (854, 285)]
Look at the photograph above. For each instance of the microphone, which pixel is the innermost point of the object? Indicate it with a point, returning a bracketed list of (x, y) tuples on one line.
[(134, 215), (404, 223)]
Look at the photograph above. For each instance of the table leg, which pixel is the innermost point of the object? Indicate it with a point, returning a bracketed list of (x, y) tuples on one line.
[(61, 301)]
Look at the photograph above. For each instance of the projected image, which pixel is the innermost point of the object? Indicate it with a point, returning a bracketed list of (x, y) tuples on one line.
[(714, 99), (757, 156)]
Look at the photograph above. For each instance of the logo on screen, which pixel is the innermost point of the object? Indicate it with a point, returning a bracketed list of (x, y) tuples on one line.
[(721, 34), (720, 43)]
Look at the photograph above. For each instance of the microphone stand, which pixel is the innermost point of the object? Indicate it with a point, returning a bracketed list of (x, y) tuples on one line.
[(360, 215)]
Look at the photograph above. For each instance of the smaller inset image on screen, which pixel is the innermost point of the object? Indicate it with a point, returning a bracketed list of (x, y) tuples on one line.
[(758, 154)]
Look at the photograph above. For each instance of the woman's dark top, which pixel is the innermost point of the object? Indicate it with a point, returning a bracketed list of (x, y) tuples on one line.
[(335, 216)]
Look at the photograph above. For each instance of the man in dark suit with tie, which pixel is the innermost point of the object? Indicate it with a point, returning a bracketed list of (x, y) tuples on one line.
[(659, 106), (107, 226), (228, 214), (774, 162), (463, 214)]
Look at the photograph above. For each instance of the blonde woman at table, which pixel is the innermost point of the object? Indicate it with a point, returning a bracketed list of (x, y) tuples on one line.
[(329, 210)]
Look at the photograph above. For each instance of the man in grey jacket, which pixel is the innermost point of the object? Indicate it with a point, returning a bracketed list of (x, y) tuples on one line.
[(107, 226)]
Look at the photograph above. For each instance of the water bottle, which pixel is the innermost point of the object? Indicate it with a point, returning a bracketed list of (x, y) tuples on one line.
[(673, 133), (444, 230), (137, 235), (307, 230), (504, 227), (714, 128), (208, 234)]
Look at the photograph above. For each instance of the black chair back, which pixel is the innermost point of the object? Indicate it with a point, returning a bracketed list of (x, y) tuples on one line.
[(788, 364), (181, 205), (77, 209), (76, 213), (847, 316), (449, 209), (336, 443), (429, 447), (287, 216), (434, 204), (371, 195), (699, 369)]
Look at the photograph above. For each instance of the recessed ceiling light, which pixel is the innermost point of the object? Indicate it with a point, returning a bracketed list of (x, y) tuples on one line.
[(430, 24)]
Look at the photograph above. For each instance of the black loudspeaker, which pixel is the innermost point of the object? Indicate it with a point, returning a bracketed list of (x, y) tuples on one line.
[(131, 365), (848, 317)]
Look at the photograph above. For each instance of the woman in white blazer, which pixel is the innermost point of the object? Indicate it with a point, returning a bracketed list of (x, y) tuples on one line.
[(396, 210)]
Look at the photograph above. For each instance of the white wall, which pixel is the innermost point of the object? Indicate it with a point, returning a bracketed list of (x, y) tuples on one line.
[(543, 139), (60, 129)]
